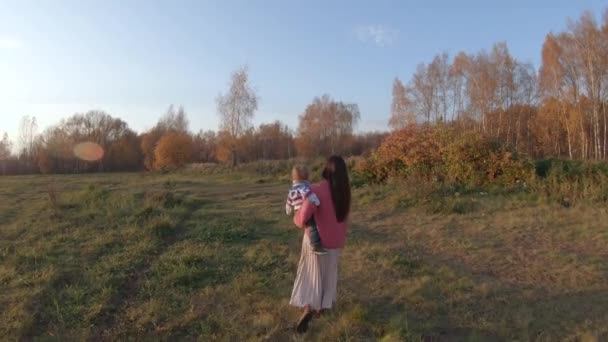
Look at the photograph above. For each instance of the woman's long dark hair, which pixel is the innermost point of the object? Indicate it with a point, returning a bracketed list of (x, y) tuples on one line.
[(336, 174)]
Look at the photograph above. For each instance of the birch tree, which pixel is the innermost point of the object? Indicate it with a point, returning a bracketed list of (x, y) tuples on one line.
[(236, 109)]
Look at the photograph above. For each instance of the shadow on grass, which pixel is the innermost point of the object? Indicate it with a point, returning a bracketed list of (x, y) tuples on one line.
[(56, 308), (169, 235)]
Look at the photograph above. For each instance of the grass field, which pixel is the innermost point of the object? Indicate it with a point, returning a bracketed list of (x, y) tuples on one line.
[(204, 257)]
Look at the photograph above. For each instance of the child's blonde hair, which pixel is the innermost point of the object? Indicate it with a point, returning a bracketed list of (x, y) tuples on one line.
[(301, 171)]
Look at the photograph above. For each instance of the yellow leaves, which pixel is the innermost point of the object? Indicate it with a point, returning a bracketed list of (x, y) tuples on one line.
[(173, 151), (326, 127), (442, 153)]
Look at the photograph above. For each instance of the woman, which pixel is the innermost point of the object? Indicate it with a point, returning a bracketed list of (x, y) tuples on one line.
[(314, 289)]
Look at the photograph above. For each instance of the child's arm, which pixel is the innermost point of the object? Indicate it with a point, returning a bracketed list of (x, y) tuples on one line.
[(312, 197), (289, 204), (303, 215), (288, 209), (309, 195)]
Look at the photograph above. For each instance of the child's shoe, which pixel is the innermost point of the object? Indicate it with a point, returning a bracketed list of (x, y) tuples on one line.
[(317, 249)]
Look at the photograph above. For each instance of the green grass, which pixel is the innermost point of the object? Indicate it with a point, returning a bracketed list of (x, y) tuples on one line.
[(212, 257)]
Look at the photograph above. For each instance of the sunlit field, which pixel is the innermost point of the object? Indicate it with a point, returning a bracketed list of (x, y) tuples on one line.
[(194, 256), (147, 149)]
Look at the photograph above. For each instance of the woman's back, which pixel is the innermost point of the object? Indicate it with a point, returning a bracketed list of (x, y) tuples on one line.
[(332, 232), (317, 277)]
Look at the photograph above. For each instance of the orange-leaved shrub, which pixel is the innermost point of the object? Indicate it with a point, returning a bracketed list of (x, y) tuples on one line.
[(470, 159), (173, 151), (441, 154)]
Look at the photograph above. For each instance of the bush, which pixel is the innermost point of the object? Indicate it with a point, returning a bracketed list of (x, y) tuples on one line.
[(439, 154), (357, 179), (173, 151), (475, 161), (413, 151), (569, 181), (267, 167), (570, 169)]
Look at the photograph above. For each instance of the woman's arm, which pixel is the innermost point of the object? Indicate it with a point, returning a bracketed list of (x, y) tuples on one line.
[(304, 214)]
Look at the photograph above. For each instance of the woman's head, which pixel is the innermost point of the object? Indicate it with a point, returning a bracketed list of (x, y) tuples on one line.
[(336, 174)]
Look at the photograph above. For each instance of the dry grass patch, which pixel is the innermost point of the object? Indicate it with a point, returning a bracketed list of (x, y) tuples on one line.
[(186, 256)]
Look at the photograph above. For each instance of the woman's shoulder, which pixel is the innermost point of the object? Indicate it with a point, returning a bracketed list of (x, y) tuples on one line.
[(322, 186)]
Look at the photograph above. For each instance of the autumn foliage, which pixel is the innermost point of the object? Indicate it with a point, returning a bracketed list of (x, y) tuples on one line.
[(236, 109), (326, 127), (441, 154), (173, 151), (463, 119), (557, 110), (149, 141)]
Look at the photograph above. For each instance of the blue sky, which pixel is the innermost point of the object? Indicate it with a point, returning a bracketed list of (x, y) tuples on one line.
[(135, 58)]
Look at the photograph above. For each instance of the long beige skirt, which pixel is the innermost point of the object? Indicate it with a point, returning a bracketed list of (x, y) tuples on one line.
[(316, 279)]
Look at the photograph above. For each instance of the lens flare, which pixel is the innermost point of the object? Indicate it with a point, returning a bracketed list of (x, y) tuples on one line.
[(88, 151)]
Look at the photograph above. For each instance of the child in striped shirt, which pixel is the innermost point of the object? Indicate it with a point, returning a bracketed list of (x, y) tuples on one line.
[(300, 191)]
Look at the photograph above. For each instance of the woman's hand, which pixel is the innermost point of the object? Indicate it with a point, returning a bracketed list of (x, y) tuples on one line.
[(304, 214)]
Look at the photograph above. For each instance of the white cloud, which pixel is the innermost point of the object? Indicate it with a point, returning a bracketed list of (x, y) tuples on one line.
[(9, 43), (376, 34)]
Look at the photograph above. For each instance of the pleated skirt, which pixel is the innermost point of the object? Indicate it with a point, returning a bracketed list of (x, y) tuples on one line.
[(316, 279)]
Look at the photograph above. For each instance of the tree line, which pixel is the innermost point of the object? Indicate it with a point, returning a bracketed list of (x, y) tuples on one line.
[(327, 125), (558, 110)]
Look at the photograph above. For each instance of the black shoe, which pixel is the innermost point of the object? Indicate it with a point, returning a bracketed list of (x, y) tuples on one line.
[(303, 322), (317, 249)]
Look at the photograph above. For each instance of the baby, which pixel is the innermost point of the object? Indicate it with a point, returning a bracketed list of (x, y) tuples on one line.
[(300, 191)]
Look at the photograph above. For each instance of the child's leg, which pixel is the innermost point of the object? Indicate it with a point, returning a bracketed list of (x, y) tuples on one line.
[(313, 233), (315, 239)]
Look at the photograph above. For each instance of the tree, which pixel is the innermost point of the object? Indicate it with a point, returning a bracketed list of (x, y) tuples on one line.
[(236, 109), (430, 90), (249, 146), (27, 135), (439, 73), (99, 127), (558, 86), (125, 153), (574, 74), (172, 121), (482, 88), (204, 147), (326, 127), (5, 151), (365, 143), (590, 54), (504, 66), (401, 108), (523, 110), (56, 151), (423, 93), (458, 81), (223, 151), (148, 145), (43, 159), (173, 151), (275, 141)]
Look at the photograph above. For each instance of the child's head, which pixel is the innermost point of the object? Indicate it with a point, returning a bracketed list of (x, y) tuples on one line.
[(299, 173)]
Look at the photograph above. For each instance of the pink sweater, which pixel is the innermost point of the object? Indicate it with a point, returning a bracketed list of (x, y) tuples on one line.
[(332, 232)]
